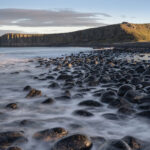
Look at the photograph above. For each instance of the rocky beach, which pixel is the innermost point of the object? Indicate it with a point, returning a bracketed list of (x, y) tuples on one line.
[(88, 100)]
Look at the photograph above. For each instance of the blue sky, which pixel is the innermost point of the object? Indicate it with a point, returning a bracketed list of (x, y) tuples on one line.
[(68, 15)]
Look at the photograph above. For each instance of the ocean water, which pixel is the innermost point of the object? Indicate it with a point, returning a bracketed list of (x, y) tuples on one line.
[(18, 67)]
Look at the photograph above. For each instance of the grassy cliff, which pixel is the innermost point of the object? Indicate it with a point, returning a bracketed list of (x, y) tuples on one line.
[(118, 33)]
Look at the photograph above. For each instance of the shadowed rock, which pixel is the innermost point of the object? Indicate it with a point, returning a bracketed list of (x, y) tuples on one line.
[(73, 142), (83, 113), (50, 134), (10, 137), (34, 93), (90, 103)]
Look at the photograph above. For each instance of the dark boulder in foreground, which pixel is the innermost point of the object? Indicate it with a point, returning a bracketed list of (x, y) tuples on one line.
[(50, 134), (73, 142), (34, 93), (115, 145), (11, 137)]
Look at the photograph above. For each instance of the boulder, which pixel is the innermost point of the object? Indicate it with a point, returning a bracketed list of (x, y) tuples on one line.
[(73, 142)]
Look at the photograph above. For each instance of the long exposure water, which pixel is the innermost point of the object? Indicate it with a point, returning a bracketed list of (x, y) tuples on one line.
[(18, 68)]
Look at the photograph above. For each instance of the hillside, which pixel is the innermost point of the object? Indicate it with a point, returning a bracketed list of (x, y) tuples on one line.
[(118, 33)]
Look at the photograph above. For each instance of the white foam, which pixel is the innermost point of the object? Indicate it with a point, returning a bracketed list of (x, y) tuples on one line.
[(6, 60)]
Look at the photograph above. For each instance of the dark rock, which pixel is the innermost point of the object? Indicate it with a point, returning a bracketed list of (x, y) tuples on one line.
[(108, 97), (73, 142), (63, 97), (144, 107), (12, 106), (110, 116), (133, 96), (34, 93), (145, 99), (64, 77), (50, 134), (83, 113), (53, 85), (26, 122), (140, 69), (14, 148), (115, 145), (126, 111), (134, 143), (105, 79), (67, 93), (90, 103), (27, 88), (135, 81), (48, 101), (50, 77), (10, 137), (124, 88), (144, 114)]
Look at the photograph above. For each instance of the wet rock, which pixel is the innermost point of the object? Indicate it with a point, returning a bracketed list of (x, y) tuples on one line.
[(144, 114), (124, 88), (73, 142), (12, 106), (140, 69), (145, 99), (111, 116), (134, 143), (10, 137), (133, 96), (90, 103), (144, 107), (67, 93), (83, 113), (14, 148), (50, 77), (27, 88), (50, 134), (135, 81), (126, 111), (105, 79), (34, 93), (108, 97), (48, 101), (115, 145), (53, 85), (64, 77), (64, 97), (26, 122)]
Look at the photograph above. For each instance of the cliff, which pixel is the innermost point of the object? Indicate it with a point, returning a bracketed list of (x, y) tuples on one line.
[(118, 33)]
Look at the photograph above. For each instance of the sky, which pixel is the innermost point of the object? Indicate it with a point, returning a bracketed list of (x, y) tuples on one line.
[(59, 16)]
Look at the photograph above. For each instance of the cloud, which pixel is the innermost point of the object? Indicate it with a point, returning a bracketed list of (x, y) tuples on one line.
[(38, 30), (51, 18)]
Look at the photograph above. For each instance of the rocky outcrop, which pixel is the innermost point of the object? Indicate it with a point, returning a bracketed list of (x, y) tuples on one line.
[(118, 33)]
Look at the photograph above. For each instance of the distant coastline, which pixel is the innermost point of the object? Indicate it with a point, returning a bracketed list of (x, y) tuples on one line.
[(118, 35)]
